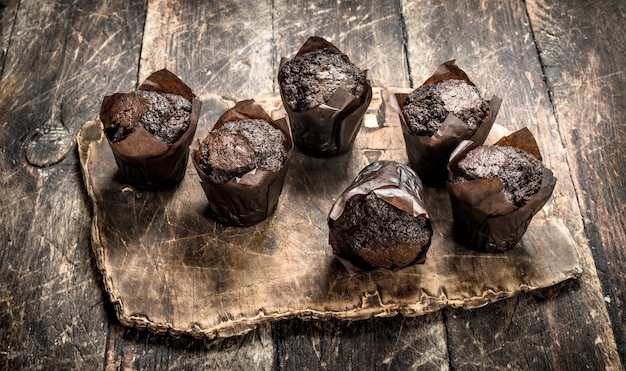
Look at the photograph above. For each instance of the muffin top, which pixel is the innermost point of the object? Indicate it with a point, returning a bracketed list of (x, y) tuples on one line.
[(367, 221), (427, 107), (166, 116), (240, 146), (310, 79), (520, 172)]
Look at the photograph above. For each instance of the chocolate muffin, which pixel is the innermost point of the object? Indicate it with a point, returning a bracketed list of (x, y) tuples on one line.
[(380, 219), (311, 79), (519, 172), (239, 147), (325, 96), (242, 164), (445, 110), (149, 130), (495, 190), (427, 107), (166, 116)]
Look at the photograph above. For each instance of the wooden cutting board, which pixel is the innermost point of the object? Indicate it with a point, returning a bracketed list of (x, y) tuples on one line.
[(168, 267)]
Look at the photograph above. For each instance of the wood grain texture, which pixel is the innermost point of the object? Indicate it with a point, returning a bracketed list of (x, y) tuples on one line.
[(495, 47), (380, 343), (8, 11), (223, 52), (492, 335), (371, 34), (581, 49), (129, 348), (51, 305), (221, 48)]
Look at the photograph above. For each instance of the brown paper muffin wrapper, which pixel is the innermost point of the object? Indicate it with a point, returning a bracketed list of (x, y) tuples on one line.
[(429, 156), (249, 199), (483, 219), (145, 161), (395, 184), (329, 129)]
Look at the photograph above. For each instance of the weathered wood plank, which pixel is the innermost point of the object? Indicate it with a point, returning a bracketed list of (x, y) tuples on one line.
[(495, 47), (493, 335), (222, 48), (219, 49), (62, 58), (379, 343), (370, 33), (581, 47), (142, 350), (8, 11)]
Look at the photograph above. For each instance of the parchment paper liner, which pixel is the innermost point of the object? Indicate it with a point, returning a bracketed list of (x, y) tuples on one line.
[(483, 219), (329, 129), (393, 183), (428, 156), (250, 199), (144, 160)]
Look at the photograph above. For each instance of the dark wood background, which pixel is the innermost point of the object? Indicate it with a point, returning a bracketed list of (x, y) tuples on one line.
[(559, 66)]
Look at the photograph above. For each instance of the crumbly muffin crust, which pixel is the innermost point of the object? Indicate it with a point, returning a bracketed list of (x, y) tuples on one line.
[(240, 146), (166, 116), (427, 107), (310, 79), (520, 172)]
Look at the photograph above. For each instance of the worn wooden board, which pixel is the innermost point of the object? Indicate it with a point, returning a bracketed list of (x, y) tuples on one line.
[(168, 267), (496, 45), (581, 47), (398, 343), (61, 57), (8, 10), (223, 47), (371, 33)]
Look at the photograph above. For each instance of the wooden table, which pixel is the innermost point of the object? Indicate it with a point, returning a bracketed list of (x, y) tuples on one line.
[(557, 65)]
